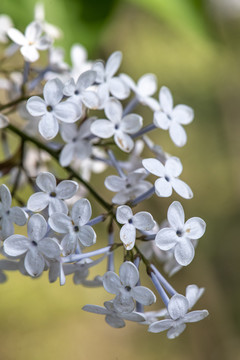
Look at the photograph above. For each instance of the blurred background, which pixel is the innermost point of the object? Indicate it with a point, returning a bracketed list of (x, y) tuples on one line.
[(193, 48)]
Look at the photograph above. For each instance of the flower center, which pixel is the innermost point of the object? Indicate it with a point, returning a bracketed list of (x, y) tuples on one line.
[(53, 194), (179, 233), (76, 92), (128, 288), (34, 243), (130, 221), (167, 178), (49, 108), (76, 228)]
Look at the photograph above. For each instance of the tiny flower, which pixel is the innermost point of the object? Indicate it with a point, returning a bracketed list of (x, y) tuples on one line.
[(168, 177), (52, 195), (74, 226), (141, 221), (51, 30), (178, 311), (8, 215), (79, 60), (77, 146), (129, 187), (113, 317), (144, 89), (78, 92), (5, 25), (51, 110), (179, 235), (31, 41), (108, 82), (35, 248), (125, 289), (172, 118), (118, 126)]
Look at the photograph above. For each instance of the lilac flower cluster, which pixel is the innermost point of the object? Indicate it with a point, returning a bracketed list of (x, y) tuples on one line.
[(76, 119)]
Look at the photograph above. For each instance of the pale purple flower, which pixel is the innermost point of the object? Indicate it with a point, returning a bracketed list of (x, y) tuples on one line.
[(52, 195), (125, 288), (178, 311), (168, 177), (140, 221), (172, 118), (113, 317), (74, 226), (9, 215), (180, 234), (117, 125), (36, 248)]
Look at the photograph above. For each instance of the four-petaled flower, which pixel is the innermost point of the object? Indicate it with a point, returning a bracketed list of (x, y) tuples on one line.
[(180, 233), (125, 288), (52, 195), (36, 248), (117, 125), (141, 221), (172, 118), (113, 317), (74, 227), (178, 311), (168, 177), (51, 110)]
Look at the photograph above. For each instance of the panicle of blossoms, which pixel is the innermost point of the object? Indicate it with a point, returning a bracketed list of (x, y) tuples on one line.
[(77, 121)]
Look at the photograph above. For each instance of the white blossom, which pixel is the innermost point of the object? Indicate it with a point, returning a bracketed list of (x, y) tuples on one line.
[(118, 126), (125, 288), (79, 60), (52, 195), (180, 233), (31, 41), (108, 83), (141, 221), (74, 226), (51, 30), (168, 177), (144, 89), (51, 109), (172, 118), (113, 317), (129, 187), (5, 25), (178, 311), (9, 215), (35, 248)]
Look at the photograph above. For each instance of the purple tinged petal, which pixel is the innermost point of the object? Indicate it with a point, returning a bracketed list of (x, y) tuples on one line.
[(18, 216), (34, 263), (177, 134), (95, 309), (113, 110), (124, 303), (113, 63), (123, 141), (143, 295), (60, 222), (38, 201), (166, 100), (183, 114), (53, 92), (114, 321), (67, 112), (114, 183), (57, 205), (49, 248), (102, 128), (195, 316), (87, 235), (131, 123), (154, 166), (123, 214), (37, 227), (81, 212), (46, 182), (16, 245), (48, 126), (5, 197), (118, 88), (66, 189), (176, 331), (111, 282), (160, 326), (161, 120), (128, 236)]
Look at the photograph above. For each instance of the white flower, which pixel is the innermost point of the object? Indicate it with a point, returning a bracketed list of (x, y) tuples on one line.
[(172, 118), (193, 294), (117, 125), (52, 195), (168, 177), (113, 317), (35, 248), (178, 237), (77, 91), (108, 82), (5, 25), (74, 227), (177, 308), (51, 109), (79, 60), (144, 89), (129, 187), (31, 41), (141, 221), (8, 215), (51, 30), (124, 286), (77, 146)]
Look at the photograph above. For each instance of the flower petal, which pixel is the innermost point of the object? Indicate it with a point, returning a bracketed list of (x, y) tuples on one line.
[(67, 112), (113, 110), (128, 236), (161, 120), (114, 321), (53, 92), (184, 252), (118, 88), (124, 303), (36, 106), (166, 239), (5, 197), (113, 64), (46, 181), (176, 216), (176, 331), (37, 227), (16, 245), (111, 282), (182, 188), (193, 293), (49, 248), (60, 222), (160, 326), (66, 189), (87, 235), (123, 141), (163, 187), (123, 214), (48, 126), (154, 166), (177, 134), (173, 166), (183, 114), (38, 201), (147, 84), (131, 123), (195, 228), (81, 212), (114, 183), (195, 316), (166, 100), (143, 221), (143, 295), (128, 274), (102, 128), (177, 306), (17, 37), (34, 263), (18, 216), (95, 309)]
